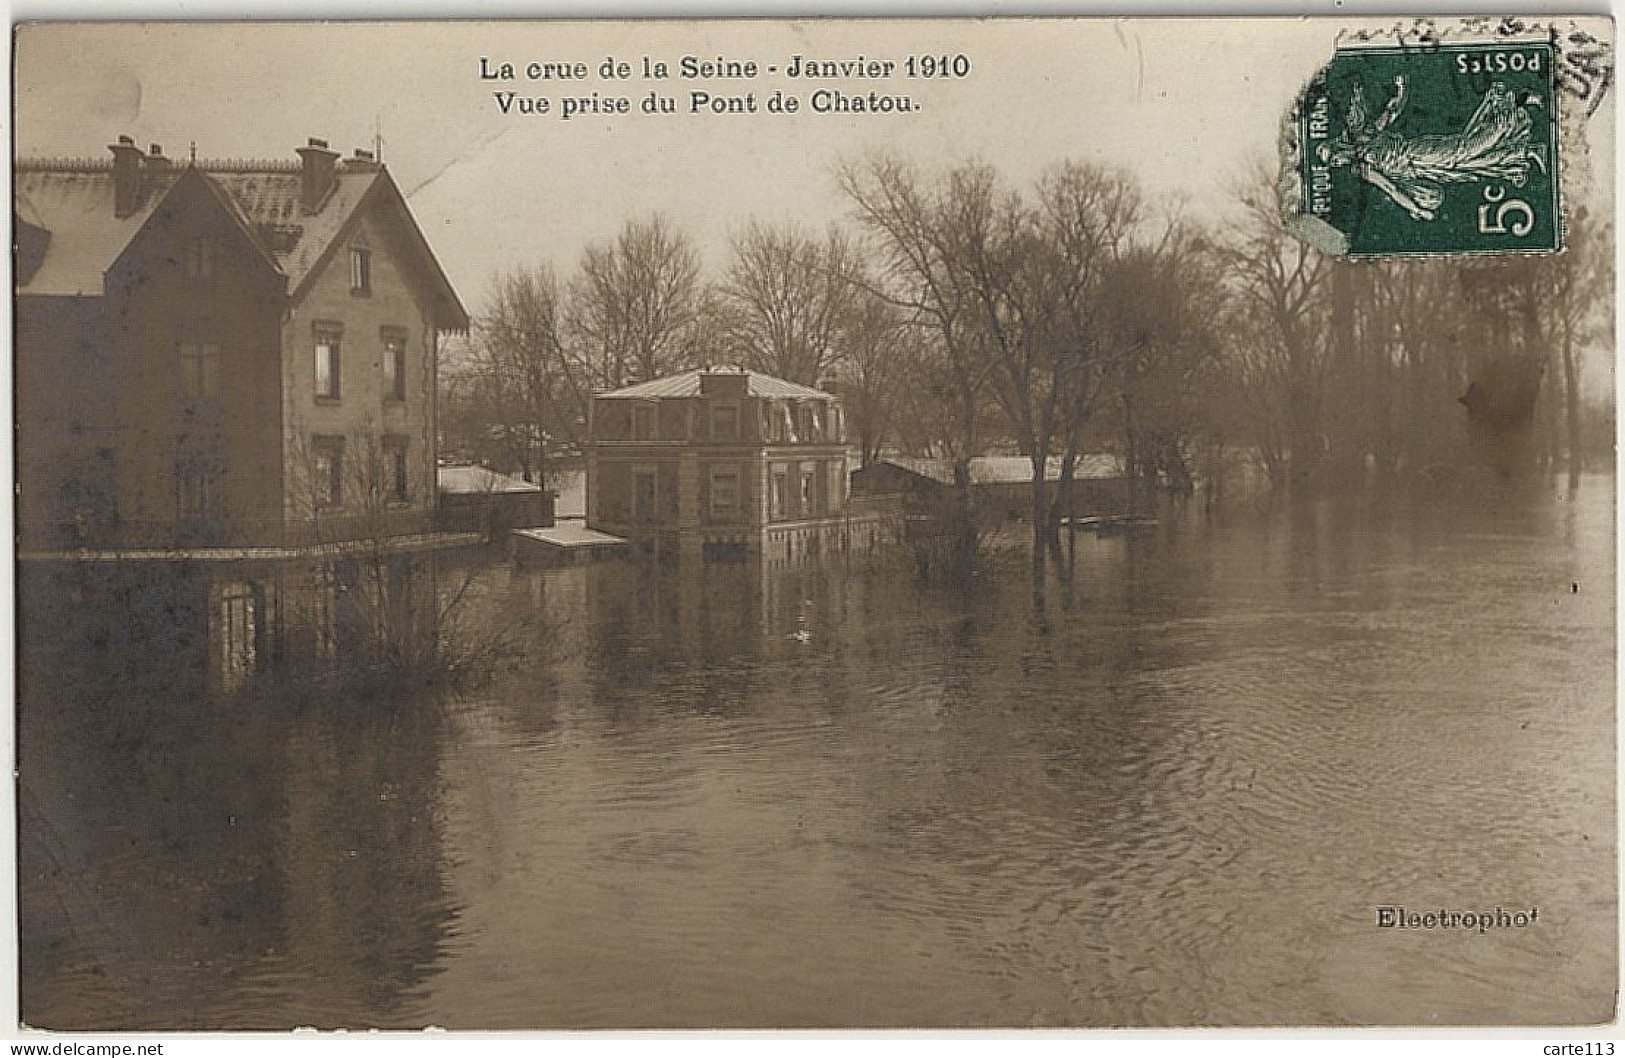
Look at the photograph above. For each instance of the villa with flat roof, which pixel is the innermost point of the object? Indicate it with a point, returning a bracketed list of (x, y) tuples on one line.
[(720, 463)]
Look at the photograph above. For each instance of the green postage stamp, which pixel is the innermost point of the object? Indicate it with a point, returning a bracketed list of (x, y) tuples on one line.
[(1431, 148)]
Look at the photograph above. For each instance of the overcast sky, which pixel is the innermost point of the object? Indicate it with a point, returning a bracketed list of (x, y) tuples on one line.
[(1183, 104)]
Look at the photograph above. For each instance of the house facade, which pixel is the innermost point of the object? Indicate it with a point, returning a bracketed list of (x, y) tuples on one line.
[(720, 463), (215, 355)]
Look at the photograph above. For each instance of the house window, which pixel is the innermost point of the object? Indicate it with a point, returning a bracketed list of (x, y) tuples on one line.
[(200, 258), (394, 365), (360, 270), (808, 490), (241, 605), (781, 492), (328, 366), (327, 471), (724, 493), (199, 491), (396, 479), (200, 370), (643, 494), (725, 422), (815, 419), (643, 422)]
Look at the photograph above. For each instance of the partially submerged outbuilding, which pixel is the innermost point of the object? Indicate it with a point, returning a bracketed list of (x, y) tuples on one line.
[(1001, 486)]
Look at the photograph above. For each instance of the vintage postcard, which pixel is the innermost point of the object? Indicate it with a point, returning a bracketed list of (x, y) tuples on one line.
[(815, 524)]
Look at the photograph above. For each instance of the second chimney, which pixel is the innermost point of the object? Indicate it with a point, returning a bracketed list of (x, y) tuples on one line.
[(126, 176), (318, 173)]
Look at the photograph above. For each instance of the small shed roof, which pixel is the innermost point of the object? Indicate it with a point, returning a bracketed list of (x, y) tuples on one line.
[(570, 535), (1002, 470), (479, 481)]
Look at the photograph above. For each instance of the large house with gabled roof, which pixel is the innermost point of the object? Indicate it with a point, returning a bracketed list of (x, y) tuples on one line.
[(223, 353)]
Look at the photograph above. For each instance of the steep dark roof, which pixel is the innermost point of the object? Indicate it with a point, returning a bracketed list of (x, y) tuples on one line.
[(75, 206), (73, 202)]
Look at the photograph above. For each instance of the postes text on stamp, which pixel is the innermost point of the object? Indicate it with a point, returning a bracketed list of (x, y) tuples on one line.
[(1435, 149)]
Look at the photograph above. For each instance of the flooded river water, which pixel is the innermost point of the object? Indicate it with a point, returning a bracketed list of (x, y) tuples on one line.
[(1172, 789)]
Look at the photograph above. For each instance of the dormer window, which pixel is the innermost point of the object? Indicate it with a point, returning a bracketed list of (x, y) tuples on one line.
[(360, 270)]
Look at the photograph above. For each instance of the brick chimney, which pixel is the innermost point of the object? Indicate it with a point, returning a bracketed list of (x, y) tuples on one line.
[(126, 176), (154, 167), (724, 383), (364, 162), (318, 173)]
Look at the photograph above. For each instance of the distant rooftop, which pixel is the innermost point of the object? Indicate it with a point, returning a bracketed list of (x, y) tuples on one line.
[(687, 384), (996, 470), (479, 481)]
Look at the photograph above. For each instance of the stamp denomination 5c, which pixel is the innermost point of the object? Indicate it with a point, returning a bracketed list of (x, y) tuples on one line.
[(1432, 149)]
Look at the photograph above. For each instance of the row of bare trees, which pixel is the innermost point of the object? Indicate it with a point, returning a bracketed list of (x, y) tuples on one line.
[(1408, 369), (792, 304), (964, 315)]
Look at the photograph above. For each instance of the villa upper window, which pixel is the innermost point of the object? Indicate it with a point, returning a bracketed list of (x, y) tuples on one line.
[(725, 422), (725, 492), (394, 364), (360, 270), (780, 497), (329, 365), (643, 422)]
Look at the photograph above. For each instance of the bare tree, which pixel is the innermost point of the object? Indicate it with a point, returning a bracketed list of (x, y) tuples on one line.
[(1579, 306), (369, 604), (1089, 217), (1161, 307), (916, 227), (1009, 286), (789, 300), (1279, 284), (638, 304), (533, 389), (882, 351)]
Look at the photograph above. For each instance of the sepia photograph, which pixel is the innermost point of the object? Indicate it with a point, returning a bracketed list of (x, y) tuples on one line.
[(1007, 523)]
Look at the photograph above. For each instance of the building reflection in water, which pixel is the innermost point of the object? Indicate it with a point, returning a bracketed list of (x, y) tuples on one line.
[(206, 813)]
